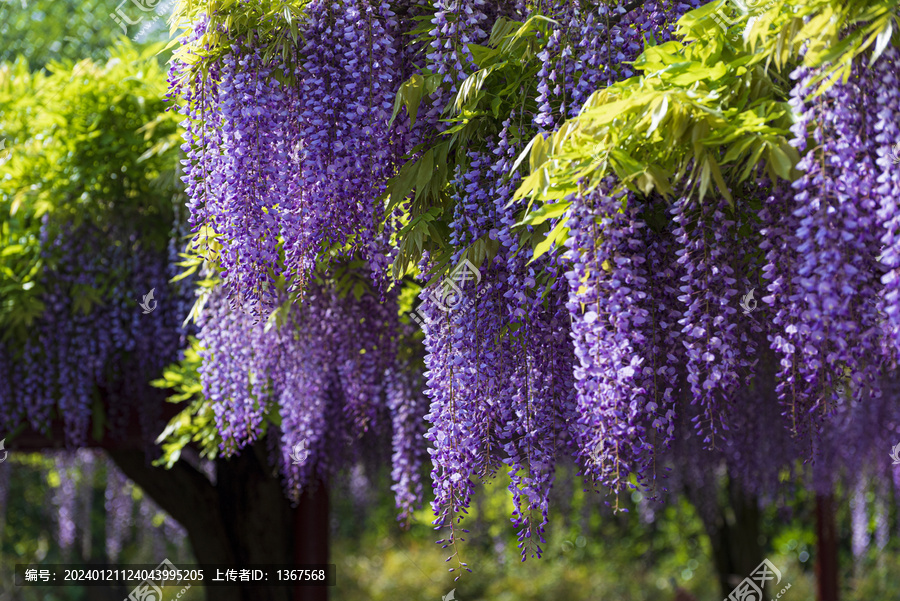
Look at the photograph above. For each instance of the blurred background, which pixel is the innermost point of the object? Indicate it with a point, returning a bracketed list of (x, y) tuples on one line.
[(63, 507)]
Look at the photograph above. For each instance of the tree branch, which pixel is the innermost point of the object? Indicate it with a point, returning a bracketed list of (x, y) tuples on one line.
[(185, 494)]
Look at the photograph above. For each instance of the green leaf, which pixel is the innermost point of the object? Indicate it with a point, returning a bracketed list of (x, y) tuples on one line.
[(720, 181), (882, 40), (410, 96), (556, 237), (705, 173), (545, 212), (403, 183), (186, 273), (538, 154), (425, 172), (526, 152), (658, 113), (780, 162)]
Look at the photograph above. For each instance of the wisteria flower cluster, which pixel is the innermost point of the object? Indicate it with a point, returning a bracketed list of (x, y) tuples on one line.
[(628, 347), (82, 342)]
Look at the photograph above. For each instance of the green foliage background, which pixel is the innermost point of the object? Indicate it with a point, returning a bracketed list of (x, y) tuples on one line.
[(88, 143), (46, 31)]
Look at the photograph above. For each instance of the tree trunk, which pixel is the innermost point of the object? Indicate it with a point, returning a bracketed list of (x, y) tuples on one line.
[(733, 533), (826, 553), (242, 520)]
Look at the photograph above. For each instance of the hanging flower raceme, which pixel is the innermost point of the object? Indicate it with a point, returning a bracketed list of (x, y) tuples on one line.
[(239, 138), (540, 389), (276, 171), (407, 404), (624, 379), (350, 61), (760, 445), (254, 163), (457, 23), (495, 374), (324, 369), (720, 350), (822, 241), (237, 360), (884, 148), (82, 341), (861, 432), (466, 367), (555, 78)]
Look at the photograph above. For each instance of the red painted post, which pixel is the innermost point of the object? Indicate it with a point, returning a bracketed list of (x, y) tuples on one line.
[(827, 551), (311, 530)]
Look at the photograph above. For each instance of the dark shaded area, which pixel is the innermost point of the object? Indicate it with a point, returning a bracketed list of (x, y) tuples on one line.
[(243, 520)]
